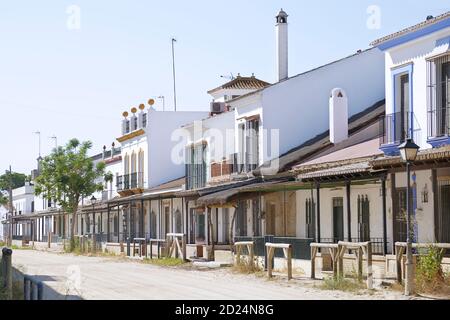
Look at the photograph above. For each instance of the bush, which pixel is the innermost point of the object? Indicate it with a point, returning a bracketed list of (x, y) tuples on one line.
[(430, 277)]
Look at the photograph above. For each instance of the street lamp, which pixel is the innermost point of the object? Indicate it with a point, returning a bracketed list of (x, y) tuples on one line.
[(408, 151)]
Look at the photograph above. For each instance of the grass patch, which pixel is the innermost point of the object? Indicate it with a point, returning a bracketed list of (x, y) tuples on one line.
[(164, 262), (342, 284), (244, 267), (17, 293)]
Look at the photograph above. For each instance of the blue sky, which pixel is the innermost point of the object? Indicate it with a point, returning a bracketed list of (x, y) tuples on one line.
[(76, 83)]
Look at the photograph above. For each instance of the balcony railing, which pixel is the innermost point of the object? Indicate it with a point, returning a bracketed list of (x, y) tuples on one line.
[(130, 181), (238, 165), (438, 122), (395, 128)]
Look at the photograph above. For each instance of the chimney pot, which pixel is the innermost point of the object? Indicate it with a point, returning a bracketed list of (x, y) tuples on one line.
[(338, 106)]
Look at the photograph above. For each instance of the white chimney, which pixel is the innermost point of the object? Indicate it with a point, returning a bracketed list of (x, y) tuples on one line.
[(281, 29), (338, 115)]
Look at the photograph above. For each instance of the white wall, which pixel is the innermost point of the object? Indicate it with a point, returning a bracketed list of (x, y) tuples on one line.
[(161, 126), (415, 52), (298, 107)]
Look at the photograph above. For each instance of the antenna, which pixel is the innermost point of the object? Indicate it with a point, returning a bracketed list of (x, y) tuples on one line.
[(56, 140), (230, 77)]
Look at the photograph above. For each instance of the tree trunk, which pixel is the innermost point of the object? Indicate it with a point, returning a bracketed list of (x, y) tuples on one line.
[(211, 235), (232, 229), (73, 228)]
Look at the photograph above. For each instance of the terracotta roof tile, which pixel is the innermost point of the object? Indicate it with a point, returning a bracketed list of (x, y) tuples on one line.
[(243, 83)]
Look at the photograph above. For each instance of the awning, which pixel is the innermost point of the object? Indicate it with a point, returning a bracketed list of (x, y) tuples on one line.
[(226, 197)]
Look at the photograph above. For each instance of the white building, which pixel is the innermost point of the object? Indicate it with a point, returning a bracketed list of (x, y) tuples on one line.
[(418, 106), (291, 111)]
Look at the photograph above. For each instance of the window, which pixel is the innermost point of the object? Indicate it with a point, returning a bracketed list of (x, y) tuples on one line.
[(363, 218), (166, 220), (144, 120), (178, 222), (32, 206), (195, 166), (127, 126), (251, 145), (248, 145), (310, 218), (200, 227), (153, 224), (241, 218), (438, 82)]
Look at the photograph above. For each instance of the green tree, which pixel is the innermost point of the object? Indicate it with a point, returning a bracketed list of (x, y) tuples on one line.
[(17, 180), (3, 200), (68, 175)]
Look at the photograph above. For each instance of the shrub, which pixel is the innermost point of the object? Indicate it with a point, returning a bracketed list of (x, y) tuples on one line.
[(429, 274)]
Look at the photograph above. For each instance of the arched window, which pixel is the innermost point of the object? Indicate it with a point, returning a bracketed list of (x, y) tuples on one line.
[(141, 168), (126, 164), (133, 162)]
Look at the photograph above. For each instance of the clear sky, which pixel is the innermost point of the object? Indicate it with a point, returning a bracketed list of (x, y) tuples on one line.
[(76, 82)]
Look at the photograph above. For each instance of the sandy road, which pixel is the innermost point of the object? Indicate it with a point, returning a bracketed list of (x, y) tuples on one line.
[(114, 278)]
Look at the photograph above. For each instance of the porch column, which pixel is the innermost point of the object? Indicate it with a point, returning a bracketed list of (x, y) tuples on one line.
[(434, 189), (142, 222), (108, 224), (383, 194), (349, 215), (159, 219), (118, 223), (186, 204), (207, 213), (318, 210), (93, 222)]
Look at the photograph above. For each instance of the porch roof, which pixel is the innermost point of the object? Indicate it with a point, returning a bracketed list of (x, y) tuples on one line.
[(230, 195), (429, 156), (350, 170)]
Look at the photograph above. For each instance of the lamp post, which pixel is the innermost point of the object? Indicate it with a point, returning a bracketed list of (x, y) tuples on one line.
[(408, 152)]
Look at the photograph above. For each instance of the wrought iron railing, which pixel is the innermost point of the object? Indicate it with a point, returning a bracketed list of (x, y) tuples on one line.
[(396, 127), (130, 181), (438, 122)]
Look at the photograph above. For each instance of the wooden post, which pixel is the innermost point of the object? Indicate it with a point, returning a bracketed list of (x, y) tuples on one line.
[(269, 261), (359, 256), (238, 254), (251, 254), (134, 248), (7, 271), (289, 262), (49, 239), (369, 266), (183, 243), (313, 262), (398, 256), (341, 252), (334, 258)]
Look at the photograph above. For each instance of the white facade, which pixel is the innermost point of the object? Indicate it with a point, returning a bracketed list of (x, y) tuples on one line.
[(150, 150), (411, 58), (293, 111)]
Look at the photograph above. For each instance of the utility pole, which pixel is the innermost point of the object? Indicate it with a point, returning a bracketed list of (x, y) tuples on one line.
[(11, 208), (173, 71)]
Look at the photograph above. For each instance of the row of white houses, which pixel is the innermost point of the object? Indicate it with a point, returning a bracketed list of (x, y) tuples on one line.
[(312, 157)]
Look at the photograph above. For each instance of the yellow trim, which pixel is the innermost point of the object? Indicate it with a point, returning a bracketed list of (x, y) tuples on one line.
[(131, 135)]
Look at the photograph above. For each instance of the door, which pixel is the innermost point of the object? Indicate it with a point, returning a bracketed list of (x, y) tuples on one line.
[(363, 218), (191, 225), (400, 216), (166, 220), (444, 212), (226, 225), (200, 227), (338, 219), (241, 218), (310, 219), (404, 106), (445, 76)]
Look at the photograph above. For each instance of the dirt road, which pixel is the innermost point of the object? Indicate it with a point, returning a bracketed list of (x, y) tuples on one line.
[(114, 278)]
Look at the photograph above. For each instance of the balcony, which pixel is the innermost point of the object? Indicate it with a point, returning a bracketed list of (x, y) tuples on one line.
[(438, 127), (395, 128), (129, 183)]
